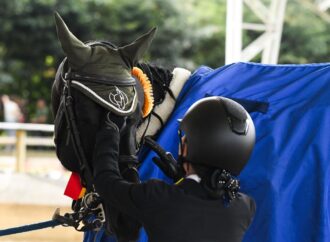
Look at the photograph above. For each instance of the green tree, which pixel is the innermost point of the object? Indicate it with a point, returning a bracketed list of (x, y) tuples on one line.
[(306, 36), (30, 52), (190, 33), (29, 48)]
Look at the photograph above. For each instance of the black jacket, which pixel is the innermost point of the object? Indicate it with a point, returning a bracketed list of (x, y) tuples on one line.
[(168, 213)]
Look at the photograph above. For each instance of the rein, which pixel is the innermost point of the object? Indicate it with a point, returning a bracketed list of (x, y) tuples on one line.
[(88, 212), (74, 135), (90, 215), (100, 71)]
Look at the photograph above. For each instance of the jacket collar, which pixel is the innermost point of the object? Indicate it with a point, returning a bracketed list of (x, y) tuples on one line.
[(192, 187), (194, 177)]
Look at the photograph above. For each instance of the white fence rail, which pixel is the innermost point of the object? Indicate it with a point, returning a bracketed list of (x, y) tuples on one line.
[(21, 141)]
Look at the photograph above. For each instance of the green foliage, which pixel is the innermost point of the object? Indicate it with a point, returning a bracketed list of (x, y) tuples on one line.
[(190, 33), (306, 37)]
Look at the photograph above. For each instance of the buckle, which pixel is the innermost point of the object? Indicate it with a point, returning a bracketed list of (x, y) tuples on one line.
[(88, 215)]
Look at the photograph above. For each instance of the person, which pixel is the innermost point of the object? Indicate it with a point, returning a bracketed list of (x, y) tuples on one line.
[(12, 112), (42, 112), (217, 138)]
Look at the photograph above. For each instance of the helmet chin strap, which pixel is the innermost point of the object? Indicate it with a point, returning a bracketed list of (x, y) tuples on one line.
[(181, 143), (182, 158)]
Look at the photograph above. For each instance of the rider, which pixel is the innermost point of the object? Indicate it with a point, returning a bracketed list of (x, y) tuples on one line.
[(217, 139)]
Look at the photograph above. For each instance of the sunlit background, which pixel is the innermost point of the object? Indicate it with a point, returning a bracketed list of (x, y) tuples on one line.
[(190, 33)]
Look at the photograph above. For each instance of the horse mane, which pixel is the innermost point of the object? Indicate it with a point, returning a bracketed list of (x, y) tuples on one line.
[(166, 85), (160, 79)]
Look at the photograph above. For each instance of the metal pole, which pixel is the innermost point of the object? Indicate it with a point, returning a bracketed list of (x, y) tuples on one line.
[(274, 30), (268, 43), (323, 5), (20, 150), (234, 21)]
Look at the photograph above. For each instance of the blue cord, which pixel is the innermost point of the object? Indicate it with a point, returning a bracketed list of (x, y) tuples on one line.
[(30, 227)]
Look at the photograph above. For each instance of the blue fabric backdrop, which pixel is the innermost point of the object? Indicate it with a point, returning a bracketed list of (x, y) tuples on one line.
[(288, 174)]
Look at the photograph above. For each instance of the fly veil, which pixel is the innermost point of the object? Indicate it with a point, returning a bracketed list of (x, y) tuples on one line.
[(93, 80)]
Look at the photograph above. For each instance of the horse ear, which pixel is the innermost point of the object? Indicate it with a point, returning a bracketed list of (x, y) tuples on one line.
[(76, 51), (133, 52)]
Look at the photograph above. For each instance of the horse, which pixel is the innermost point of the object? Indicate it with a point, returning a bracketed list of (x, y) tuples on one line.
[(96, 80)]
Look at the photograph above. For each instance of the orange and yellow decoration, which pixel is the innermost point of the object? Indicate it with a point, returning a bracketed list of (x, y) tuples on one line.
[(147, 89)]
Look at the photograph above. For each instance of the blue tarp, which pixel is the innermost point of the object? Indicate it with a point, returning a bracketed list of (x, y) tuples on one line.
[(288, 174)]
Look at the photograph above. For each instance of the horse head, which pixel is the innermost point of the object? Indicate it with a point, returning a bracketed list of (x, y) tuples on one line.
[(100, 75), (93, 81), (102, 82)]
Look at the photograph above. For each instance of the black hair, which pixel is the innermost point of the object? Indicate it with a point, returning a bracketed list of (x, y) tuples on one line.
[(201, 170)]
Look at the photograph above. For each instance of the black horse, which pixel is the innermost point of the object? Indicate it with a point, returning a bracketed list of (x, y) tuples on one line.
[(92, 83)]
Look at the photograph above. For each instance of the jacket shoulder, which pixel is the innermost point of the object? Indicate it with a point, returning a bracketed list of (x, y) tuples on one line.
[(153, 192), (249, 201), (249, 205)]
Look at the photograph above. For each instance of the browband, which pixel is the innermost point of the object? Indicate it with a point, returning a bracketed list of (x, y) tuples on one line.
[(98, 79)]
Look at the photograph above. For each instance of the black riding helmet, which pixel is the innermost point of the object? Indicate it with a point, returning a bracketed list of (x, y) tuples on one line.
[(219, 133)]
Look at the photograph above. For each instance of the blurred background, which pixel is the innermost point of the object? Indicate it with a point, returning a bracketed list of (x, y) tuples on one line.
[(190, 33)]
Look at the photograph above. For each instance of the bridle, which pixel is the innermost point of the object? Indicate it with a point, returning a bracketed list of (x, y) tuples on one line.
[(73, 133), (88, 211)]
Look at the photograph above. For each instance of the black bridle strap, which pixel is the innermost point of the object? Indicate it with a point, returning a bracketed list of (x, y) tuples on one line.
[(87, 177), (158, 117)]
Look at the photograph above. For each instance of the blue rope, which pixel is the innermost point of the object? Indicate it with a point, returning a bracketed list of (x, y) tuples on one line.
[(30, 227)]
